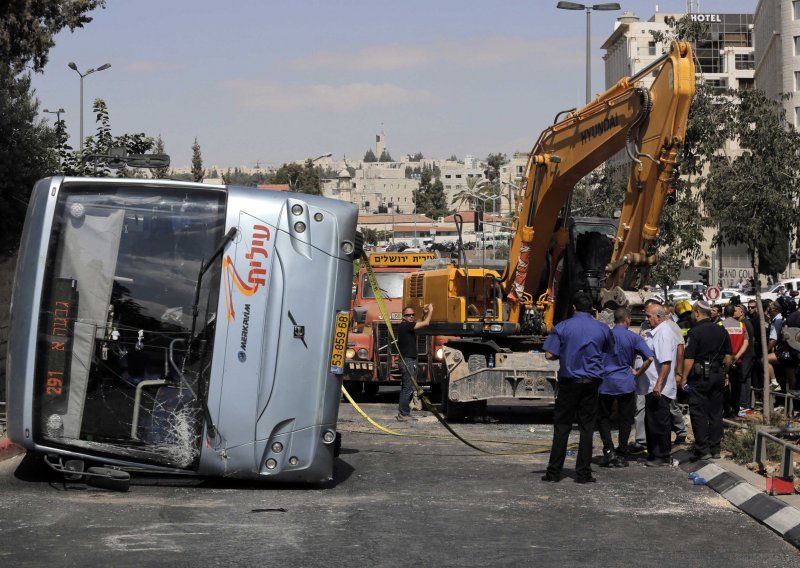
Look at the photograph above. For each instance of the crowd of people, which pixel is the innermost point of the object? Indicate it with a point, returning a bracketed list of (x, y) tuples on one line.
[(704, 356)]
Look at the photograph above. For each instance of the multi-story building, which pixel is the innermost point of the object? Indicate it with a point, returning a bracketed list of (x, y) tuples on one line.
[(725, 59), (724, 56), (776, 26)]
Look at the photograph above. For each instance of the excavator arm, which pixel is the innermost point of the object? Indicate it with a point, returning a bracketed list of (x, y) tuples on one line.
[(651, 124)]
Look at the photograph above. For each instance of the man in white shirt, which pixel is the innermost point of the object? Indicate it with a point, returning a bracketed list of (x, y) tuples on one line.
[(662, 389)]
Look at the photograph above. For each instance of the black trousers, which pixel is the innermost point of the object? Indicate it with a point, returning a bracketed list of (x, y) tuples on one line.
[(706, 410), (658, 426), (575, 402), (626, 411), (739, 375)]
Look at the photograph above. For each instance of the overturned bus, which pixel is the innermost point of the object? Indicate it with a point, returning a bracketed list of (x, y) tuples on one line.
[(179, 327)]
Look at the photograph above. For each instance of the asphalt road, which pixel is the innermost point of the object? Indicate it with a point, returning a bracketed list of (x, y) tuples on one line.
[(395, 501)]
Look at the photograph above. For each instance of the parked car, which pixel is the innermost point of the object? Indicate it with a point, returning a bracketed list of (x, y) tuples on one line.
[(726, 294), (676, 294), (695, 290)]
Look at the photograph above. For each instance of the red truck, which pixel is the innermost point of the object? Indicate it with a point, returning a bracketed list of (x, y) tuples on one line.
[(370, 359)]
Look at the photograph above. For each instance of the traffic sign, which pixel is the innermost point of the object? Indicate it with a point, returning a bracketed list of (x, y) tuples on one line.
[(712, 293)]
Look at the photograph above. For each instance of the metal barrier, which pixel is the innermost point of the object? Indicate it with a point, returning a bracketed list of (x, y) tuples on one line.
[(760, 452)]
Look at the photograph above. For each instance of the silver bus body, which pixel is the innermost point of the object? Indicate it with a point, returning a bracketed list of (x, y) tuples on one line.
[(118, 355)]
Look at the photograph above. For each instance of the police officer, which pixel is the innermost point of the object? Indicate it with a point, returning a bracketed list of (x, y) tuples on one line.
[(707, 357), (580, 343)]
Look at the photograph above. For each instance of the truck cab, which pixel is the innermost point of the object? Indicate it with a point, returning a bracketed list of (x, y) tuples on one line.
[(370, 359)]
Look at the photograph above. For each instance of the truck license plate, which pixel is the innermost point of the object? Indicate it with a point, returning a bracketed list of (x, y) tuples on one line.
[(339, 342)]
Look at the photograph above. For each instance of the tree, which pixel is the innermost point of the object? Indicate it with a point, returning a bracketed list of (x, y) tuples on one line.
[(369, 156), (302, 179), (752, 196), (468, 194), (27, 29), (94, 160), (198, 173), (370, 235), (29, 148), (385, 157), (26, 155), (430, 198), (601, 192), (160, 173), (453, 158), (494, 164), (416, 157)]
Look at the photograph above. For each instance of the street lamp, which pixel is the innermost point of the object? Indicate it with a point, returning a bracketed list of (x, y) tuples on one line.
[(601, 7), (74, 67), (55, 112)]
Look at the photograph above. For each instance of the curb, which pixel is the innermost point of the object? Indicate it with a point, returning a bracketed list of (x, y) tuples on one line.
[(771, 511), (8, 449)]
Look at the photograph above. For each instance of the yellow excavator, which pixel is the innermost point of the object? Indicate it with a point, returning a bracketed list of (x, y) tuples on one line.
[(497, 320)]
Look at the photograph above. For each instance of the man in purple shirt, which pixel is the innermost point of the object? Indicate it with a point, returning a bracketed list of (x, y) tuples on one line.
[(619, 385), (580, 343)]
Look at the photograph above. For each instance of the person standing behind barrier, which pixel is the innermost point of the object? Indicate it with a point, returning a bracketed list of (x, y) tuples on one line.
[(707, 358), (580, 343), (740, 340), (662, 390), (407, 346), (747, 363), (619, 385)]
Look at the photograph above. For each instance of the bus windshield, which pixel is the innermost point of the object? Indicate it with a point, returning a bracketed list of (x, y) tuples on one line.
[(115, 321)]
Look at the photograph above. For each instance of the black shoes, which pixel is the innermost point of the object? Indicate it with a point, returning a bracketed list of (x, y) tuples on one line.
[(583, 480), (551, 478), (609, 456), (658, 463)]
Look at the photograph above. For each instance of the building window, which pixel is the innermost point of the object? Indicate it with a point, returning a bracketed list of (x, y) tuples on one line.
[(746, 84), (797, 117), (651, 48), (717, 86), (796, 9), (797, 45), (797, 80), (745, 61)]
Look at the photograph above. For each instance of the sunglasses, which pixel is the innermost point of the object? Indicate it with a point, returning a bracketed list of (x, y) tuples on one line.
[(408, 315)]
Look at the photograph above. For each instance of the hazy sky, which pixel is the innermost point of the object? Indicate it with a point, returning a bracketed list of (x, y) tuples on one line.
[(273, 81)]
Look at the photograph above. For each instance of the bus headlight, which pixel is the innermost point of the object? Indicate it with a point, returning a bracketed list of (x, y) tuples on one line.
[(439, 355), (350, 353), (328, 436), (362, 353)]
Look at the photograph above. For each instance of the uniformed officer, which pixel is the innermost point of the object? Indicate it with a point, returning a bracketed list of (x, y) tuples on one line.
[(580, 343), (707, 358)]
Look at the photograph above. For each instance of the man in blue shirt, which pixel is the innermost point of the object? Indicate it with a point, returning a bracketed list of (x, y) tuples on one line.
[(619, 385), (580, 343)]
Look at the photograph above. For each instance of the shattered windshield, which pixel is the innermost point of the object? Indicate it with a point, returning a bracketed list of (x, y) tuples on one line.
[(116, 317)]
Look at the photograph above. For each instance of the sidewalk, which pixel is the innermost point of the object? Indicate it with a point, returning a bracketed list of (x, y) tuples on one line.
[(747, 491)]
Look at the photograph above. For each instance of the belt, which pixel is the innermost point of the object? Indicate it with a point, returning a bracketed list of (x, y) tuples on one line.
[(578, 380)]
